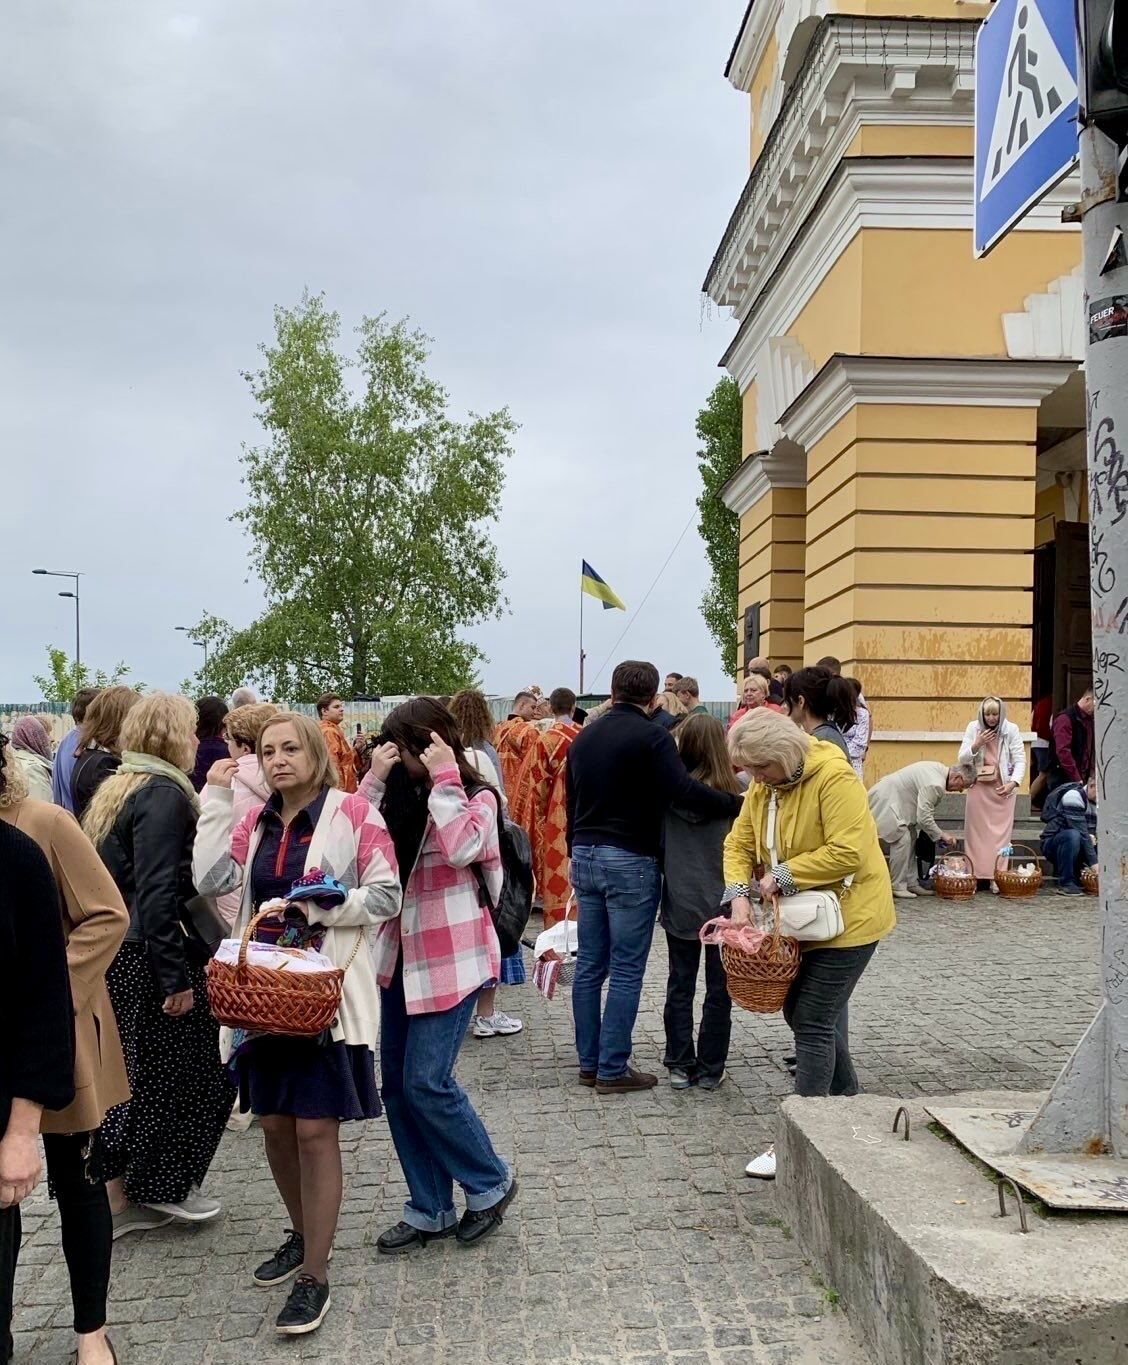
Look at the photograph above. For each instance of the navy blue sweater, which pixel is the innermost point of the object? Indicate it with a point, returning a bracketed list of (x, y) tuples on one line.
[(624, 773)]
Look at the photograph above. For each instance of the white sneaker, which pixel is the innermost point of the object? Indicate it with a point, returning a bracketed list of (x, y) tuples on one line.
[(902, 893), (481, 1027), (994, 888), (239, 1121), (762, 1167), (504, 1023), (196, 1208), (138, 1218)]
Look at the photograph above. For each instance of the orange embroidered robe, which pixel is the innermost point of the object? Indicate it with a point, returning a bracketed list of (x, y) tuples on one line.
[(540, 806), (514, 739), (341, 752)]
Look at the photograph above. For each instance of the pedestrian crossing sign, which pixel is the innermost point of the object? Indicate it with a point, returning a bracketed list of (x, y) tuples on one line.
[(1025, 111)]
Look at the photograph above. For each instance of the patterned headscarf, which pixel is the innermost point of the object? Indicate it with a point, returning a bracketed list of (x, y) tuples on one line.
[(28, 733)]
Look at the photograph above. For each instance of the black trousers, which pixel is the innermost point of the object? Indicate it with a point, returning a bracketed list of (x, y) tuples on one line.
[(11, 1227), (817, 1012), (87, 1235), (711, 1052), (87, 1226)]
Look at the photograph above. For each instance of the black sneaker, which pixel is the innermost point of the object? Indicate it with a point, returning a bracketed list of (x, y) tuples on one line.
[(305, 1308), (284, 1264), (403, 1237), (481, 1222)]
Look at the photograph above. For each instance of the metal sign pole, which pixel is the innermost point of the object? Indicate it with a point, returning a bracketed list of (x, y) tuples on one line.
[(1087, 1110)]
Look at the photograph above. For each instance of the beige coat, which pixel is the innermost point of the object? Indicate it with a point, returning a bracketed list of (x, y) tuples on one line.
[(94, 923)]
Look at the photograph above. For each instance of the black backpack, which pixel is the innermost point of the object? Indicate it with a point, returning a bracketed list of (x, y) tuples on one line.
[(515, 904)]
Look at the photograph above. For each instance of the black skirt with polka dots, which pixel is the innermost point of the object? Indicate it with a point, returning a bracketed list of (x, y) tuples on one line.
[(162, 1140)]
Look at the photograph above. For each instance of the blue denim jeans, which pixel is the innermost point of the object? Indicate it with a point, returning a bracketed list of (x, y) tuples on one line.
[(1069, 850), (617, 893), (438, 1135)]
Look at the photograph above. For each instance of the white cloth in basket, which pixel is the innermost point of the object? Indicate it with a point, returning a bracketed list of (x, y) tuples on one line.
[(280, 959)]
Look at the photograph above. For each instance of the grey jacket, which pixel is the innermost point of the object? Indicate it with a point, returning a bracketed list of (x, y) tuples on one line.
[(694, 877)]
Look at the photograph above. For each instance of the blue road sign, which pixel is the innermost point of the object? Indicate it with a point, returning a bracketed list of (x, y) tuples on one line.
[(1025, 111)]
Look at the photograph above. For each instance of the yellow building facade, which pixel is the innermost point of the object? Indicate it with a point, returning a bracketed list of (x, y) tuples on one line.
[(911, 497)]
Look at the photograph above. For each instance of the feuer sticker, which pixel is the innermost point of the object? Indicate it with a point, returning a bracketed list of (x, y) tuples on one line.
[(1108, 318)]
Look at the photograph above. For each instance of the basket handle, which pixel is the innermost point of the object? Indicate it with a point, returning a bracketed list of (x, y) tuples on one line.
[(1026, 849), (774, 931), (252, 923)]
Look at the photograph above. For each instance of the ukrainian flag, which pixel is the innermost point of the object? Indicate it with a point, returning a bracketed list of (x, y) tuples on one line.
[(594, 586)]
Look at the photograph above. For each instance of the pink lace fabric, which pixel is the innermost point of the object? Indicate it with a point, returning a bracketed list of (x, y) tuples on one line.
[(721, 932)]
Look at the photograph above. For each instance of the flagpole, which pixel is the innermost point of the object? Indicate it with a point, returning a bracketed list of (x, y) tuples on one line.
[(581, 633)]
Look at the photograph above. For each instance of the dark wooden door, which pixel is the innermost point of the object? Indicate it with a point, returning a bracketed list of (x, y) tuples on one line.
[(1073, 621)]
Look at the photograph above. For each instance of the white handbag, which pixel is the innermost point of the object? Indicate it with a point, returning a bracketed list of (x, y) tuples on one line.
[(809, 916)]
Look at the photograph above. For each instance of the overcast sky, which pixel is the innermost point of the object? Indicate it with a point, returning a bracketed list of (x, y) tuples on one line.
[(540, 187)]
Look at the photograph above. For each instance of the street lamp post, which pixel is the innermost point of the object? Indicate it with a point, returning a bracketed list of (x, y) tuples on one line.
[(203, 645), (56, 573)]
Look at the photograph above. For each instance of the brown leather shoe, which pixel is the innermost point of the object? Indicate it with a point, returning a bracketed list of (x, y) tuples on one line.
[(587, 1078), (630, 1080)]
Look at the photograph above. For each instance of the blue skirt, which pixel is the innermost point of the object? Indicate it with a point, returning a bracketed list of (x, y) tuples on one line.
[(306, 1079), (513, 970)]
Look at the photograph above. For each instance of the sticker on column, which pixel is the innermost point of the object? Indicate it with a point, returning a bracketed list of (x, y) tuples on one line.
[(1108, 318)]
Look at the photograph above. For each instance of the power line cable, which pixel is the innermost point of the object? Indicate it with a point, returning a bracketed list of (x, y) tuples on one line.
[(638, 609)]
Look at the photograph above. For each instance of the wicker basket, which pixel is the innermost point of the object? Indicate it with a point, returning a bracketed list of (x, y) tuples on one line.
[(760, 981), (270, 1000), (1091, 880), (1011, 883), (954, 877)]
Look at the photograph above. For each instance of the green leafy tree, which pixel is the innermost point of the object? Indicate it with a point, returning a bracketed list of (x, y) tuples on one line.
[(64, 677), (368, 511), (718, 429)]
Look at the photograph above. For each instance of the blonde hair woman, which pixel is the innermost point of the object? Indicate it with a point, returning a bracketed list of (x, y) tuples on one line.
[(337, 845), (99, 743), (142, 820), (754, 693), (825, 834)]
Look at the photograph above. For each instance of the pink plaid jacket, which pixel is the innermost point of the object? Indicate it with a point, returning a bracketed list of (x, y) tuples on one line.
[(449, 944)]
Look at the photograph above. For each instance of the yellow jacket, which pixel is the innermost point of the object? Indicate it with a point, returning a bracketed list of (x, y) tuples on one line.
[(824, 832)]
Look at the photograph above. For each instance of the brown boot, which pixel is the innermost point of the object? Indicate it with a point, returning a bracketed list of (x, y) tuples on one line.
[(630, 1080)]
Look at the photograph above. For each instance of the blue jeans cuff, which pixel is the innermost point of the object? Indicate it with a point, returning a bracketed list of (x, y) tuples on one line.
[(413, 1218), (476, 1202)]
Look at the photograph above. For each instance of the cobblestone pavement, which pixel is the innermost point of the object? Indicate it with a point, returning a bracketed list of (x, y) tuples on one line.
[(636, 1236)]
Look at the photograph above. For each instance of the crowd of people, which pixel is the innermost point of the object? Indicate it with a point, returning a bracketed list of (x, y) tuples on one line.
[(156, 818)]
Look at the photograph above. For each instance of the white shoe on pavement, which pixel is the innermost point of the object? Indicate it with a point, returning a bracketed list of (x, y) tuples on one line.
[(481, 1027), (504, 1023), (138, 1218), (196, 1208), (239, 1121), (902, 893), (762, 1167)]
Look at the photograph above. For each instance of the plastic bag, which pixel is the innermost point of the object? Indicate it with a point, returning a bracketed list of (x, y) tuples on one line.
[(722, 932)]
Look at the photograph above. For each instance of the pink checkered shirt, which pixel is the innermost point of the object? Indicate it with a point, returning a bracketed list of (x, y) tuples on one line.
[(449, 944)]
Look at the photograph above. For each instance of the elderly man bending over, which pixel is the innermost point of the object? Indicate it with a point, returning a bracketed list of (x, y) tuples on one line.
[(903, 805)]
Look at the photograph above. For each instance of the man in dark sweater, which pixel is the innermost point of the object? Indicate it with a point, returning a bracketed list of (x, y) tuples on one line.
[(37, 1025), (623, 774)]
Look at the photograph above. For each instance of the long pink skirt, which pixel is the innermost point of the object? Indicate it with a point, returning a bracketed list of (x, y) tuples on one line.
[(988, 827)]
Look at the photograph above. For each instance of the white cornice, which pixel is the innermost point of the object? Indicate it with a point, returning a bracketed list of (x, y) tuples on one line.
[(752, 42), (858, 71), (846, 380), (746, 487), (869, 192)]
